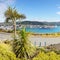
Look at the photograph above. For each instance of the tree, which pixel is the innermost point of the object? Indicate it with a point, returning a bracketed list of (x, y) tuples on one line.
[(11, 14), (23, 47)]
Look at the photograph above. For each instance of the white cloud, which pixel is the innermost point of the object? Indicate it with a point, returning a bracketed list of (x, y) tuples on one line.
[(3, 6), (58, 13), (10, 2)]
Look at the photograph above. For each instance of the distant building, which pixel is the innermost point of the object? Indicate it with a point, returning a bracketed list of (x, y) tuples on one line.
[(6, 26), (9, 26)]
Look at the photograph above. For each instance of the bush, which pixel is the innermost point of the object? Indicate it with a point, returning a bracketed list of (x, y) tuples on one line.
[(47, 56), (6, 52), (7, 41), (22, 47), (9, 31)]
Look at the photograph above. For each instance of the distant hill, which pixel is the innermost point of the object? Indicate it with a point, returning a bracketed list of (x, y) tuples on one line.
[(39, 23), (32, 23)]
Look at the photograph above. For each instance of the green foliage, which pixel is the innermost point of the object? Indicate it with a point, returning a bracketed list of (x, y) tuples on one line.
[(58, 52), (47, 56), (9, 31), (53, 56), (23, 52), (6, 52), (7, 41), (22, 46), (11, 14)]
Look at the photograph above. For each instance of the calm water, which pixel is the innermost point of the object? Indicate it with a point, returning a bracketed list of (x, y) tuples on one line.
[(44, 30)]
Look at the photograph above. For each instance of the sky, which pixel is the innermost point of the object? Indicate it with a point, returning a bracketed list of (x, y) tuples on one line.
[(35, 10)]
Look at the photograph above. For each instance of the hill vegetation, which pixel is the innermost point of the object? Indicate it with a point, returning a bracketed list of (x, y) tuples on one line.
[(39, 23)]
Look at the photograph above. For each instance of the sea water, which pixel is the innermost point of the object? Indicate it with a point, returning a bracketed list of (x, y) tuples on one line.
[(43, 30)]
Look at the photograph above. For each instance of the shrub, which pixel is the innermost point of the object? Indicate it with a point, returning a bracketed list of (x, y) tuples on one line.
[(6, 52), (23, 47), (47, 56), (7, 41), (9, 31)]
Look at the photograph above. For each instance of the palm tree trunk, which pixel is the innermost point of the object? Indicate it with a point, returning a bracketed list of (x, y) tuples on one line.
[(14, 29)]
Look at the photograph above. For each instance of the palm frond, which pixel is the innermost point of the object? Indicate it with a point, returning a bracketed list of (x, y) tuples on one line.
[(22, 16), (7, 20), (22, 47)]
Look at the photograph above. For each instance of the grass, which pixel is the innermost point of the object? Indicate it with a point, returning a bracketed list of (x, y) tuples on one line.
[(45, 35)]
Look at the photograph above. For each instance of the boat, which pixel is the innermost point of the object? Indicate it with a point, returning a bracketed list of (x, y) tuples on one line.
[(49, 26)]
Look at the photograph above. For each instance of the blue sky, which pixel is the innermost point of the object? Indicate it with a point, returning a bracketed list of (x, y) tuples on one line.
[(35, 10)]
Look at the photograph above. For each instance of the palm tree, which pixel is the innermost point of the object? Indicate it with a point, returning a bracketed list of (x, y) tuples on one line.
[(12, 15)]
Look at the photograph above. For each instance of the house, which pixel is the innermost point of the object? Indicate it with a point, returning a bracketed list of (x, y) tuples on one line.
[(6, 26)]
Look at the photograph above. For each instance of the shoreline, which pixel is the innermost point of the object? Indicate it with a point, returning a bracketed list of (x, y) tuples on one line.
[(34, 38), (52, 35), (43, 41), (9, 36)]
